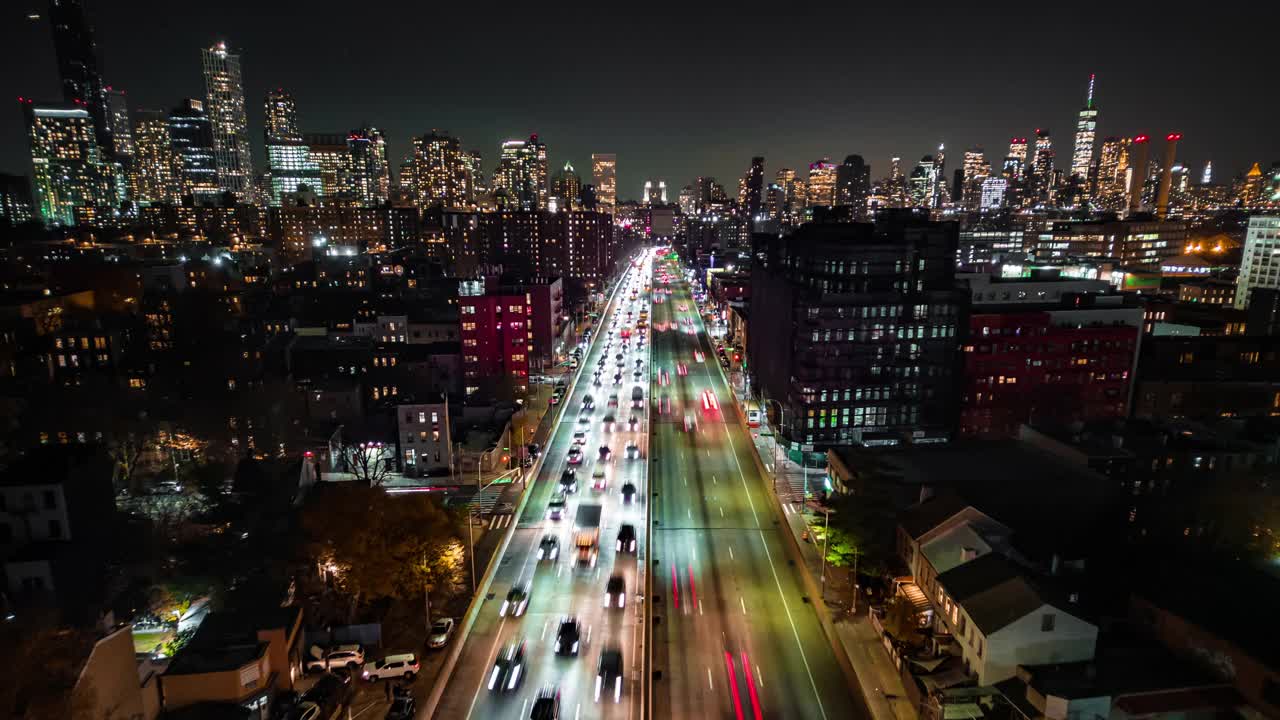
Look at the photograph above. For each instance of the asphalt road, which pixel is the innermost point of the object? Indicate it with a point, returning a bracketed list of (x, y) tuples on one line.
[(562, 588), (734, 635)]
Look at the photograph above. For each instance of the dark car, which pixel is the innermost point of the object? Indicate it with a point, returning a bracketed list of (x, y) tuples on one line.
[(609, 674), (605, 452), (615, 592), (402, 707), (628, 492), (569, 481), (508, 668), (568, 637), (547, 706), (626, 539), (517, 601), (549, 548), (535, 450)]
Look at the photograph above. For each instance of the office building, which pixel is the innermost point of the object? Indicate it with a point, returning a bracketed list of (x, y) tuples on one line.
[(439, 172), (994, 190), (69, 173), (78, 66), (981, 248), (332, 157), (1131, 242), (192, 134), (822, 183), (1042, 171), (857, 342), (1206, 175), (1260, 266), (941, 192), (566, 189), (121, 125), (156, 170), (1015, 163), (1112, 181), (15, 200), (281, 118), (974, 172), (1086, 129), (521, 176), (753, 186), (369, 173), (923, 178), (224, 93), (288, 157), (853, 185), (604, 177), (494, 330)]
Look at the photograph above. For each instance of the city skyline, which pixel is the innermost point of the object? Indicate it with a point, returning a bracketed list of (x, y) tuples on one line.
[(791, 123)]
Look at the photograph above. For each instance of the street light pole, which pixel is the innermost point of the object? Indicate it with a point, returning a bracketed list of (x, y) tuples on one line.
[(471, 539), (826, 531)]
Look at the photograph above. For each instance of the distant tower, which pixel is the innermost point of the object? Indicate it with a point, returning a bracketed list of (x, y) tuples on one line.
[(224, 90), (1086, 130), (192, 136), (938, 182), (121, 125), (1166, 174), (282, 117), (77, 54), (853, 184), (1206, 177), (604, 175), (754, 187), (1042, 168)]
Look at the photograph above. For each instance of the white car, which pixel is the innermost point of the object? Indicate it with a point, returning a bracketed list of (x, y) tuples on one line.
[(441, 631), (342, 656), (392, 666)]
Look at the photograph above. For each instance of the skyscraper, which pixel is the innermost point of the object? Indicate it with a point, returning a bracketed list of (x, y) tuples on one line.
[(939, 180), (853, 185), (822, 183), (282, 117), (1260, 266), (655, 192), (330, 154), (1112, 182), (69, 171), (192, 134), (993, 192), (754, 187), (288, 157), (521, 176), (224, 91), (538, 173), (156, 170), (1042, 188), (604, 175), (566, 188), (1206, 176), (370, 176), (439, 171), (975, 172), (923, 178), (1086, 128), (121, 125), (77, 53)]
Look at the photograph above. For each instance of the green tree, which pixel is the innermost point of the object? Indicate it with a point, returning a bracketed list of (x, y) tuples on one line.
[(378, 546)]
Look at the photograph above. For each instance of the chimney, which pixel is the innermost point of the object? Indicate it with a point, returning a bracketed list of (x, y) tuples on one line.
[(1166, 174), (1137, 172), (968, 554)]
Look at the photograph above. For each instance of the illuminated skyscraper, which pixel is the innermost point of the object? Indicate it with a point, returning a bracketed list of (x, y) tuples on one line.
[(440, 176), (474, 171), (1112, 182), (993, 192), (282, 117), (69, 171), (941, 195), (566, 189), (975, 169), (853, 185), (329, 153), (1086, 128), (921, 185), (793, 192), (192, 135), (370, 181), (77, 53), (655, 192), (121, 125), (156, 170), (224, 90), (1015, 163), (1042, 187), (1206, 176), (539, 176), (753, 188), (521, 176), (822, 183), (288, 157), (604, 175)]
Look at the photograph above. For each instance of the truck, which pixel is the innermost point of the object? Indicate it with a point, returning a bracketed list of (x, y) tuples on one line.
[(586, 534)]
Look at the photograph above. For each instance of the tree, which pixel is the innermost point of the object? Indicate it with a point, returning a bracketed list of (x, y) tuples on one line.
[(369, 462), (378, 546)]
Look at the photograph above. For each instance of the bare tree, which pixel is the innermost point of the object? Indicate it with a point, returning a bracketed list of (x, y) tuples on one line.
[(369, 462)]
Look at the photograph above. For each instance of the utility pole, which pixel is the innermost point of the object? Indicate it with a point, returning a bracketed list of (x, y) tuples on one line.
[(826, 531)]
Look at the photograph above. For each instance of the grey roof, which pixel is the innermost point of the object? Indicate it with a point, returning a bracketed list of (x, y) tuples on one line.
[(993, 591), (920, 519)]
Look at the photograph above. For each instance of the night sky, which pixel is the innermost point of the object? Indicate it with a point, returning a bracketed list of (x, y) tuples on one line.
[(678, 90)]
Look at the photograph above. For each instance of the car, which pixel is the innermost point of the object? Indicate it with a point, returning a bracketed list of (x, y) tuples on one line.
[(599, 481), (633, 451), (517, 601), (664, 405), (663, 378), (575, 455), (549, 547), (508, 668), (441, 631), (547, 706), (639, 362), (584, 421), (341, 656), (556, 508), (615, 592), (569, 481), (568, 637), (609, 673), (554, 400), (724, 363), (620, 363), (628, 492), (597, 382), (580, 437), (637, 374), (588, 403), (404, 666), (403, 707), (605, 453), (753, 418), (682, 369), (329, 693), (608, 422), (617, 379), (534, 449), (613, 400), (626, 539), (698, 356), (709, 401)]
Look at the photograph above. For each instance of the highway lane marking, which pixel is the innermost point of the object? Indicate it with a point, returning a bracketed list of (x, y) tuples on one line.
[(577, 711), (743, 601), (524, 708), (721, 511), (714, 481), (689, 512), (759, 677), (730, 552), (546, 624), (709, 683)]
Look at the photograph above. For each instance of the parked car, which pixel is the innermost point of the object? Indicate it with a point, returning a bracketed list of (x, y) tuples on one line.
[(403, 707), (404, 665), (342, 656), (441, 631)]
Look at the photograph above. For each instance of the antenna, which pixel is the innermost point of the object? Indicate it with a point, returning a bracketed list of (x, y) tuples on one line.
[(1089, 104)]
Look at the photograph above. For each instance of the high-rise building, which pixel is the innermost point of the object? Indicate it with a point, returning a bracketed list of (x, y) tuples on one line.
[(282, 117), (566, 189), (1260, 266), (604, 176), (1112, 181), (1086, 129), (853, 185), (539, 176), (1042, 186), (192, 134), (156, 170), (15, 200), (941, 194), (794, 195), (1015, 163), (69, 170), (923, 178), (857, 341), (521, 175), (121, 125), (822, 183), (655, 192), (753, 186), (330, 154), (1206, 176), (370, 177), (224, 91), (975, 172), (77, 53), (473, 168), (993, 193), (440, 175)]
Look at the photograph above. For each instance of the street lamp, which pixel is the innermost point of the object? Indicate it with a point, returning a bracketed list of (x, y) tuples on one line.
[(782, 421)]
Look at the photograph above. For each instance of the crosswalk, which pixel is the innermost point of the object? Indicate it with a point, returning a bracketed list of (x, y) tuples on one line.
[(499, 522)]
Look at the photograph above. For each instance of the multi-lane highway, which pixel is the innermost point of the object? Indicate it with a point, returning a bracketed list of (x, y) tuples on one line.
[(564, 588), (734, 636)]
